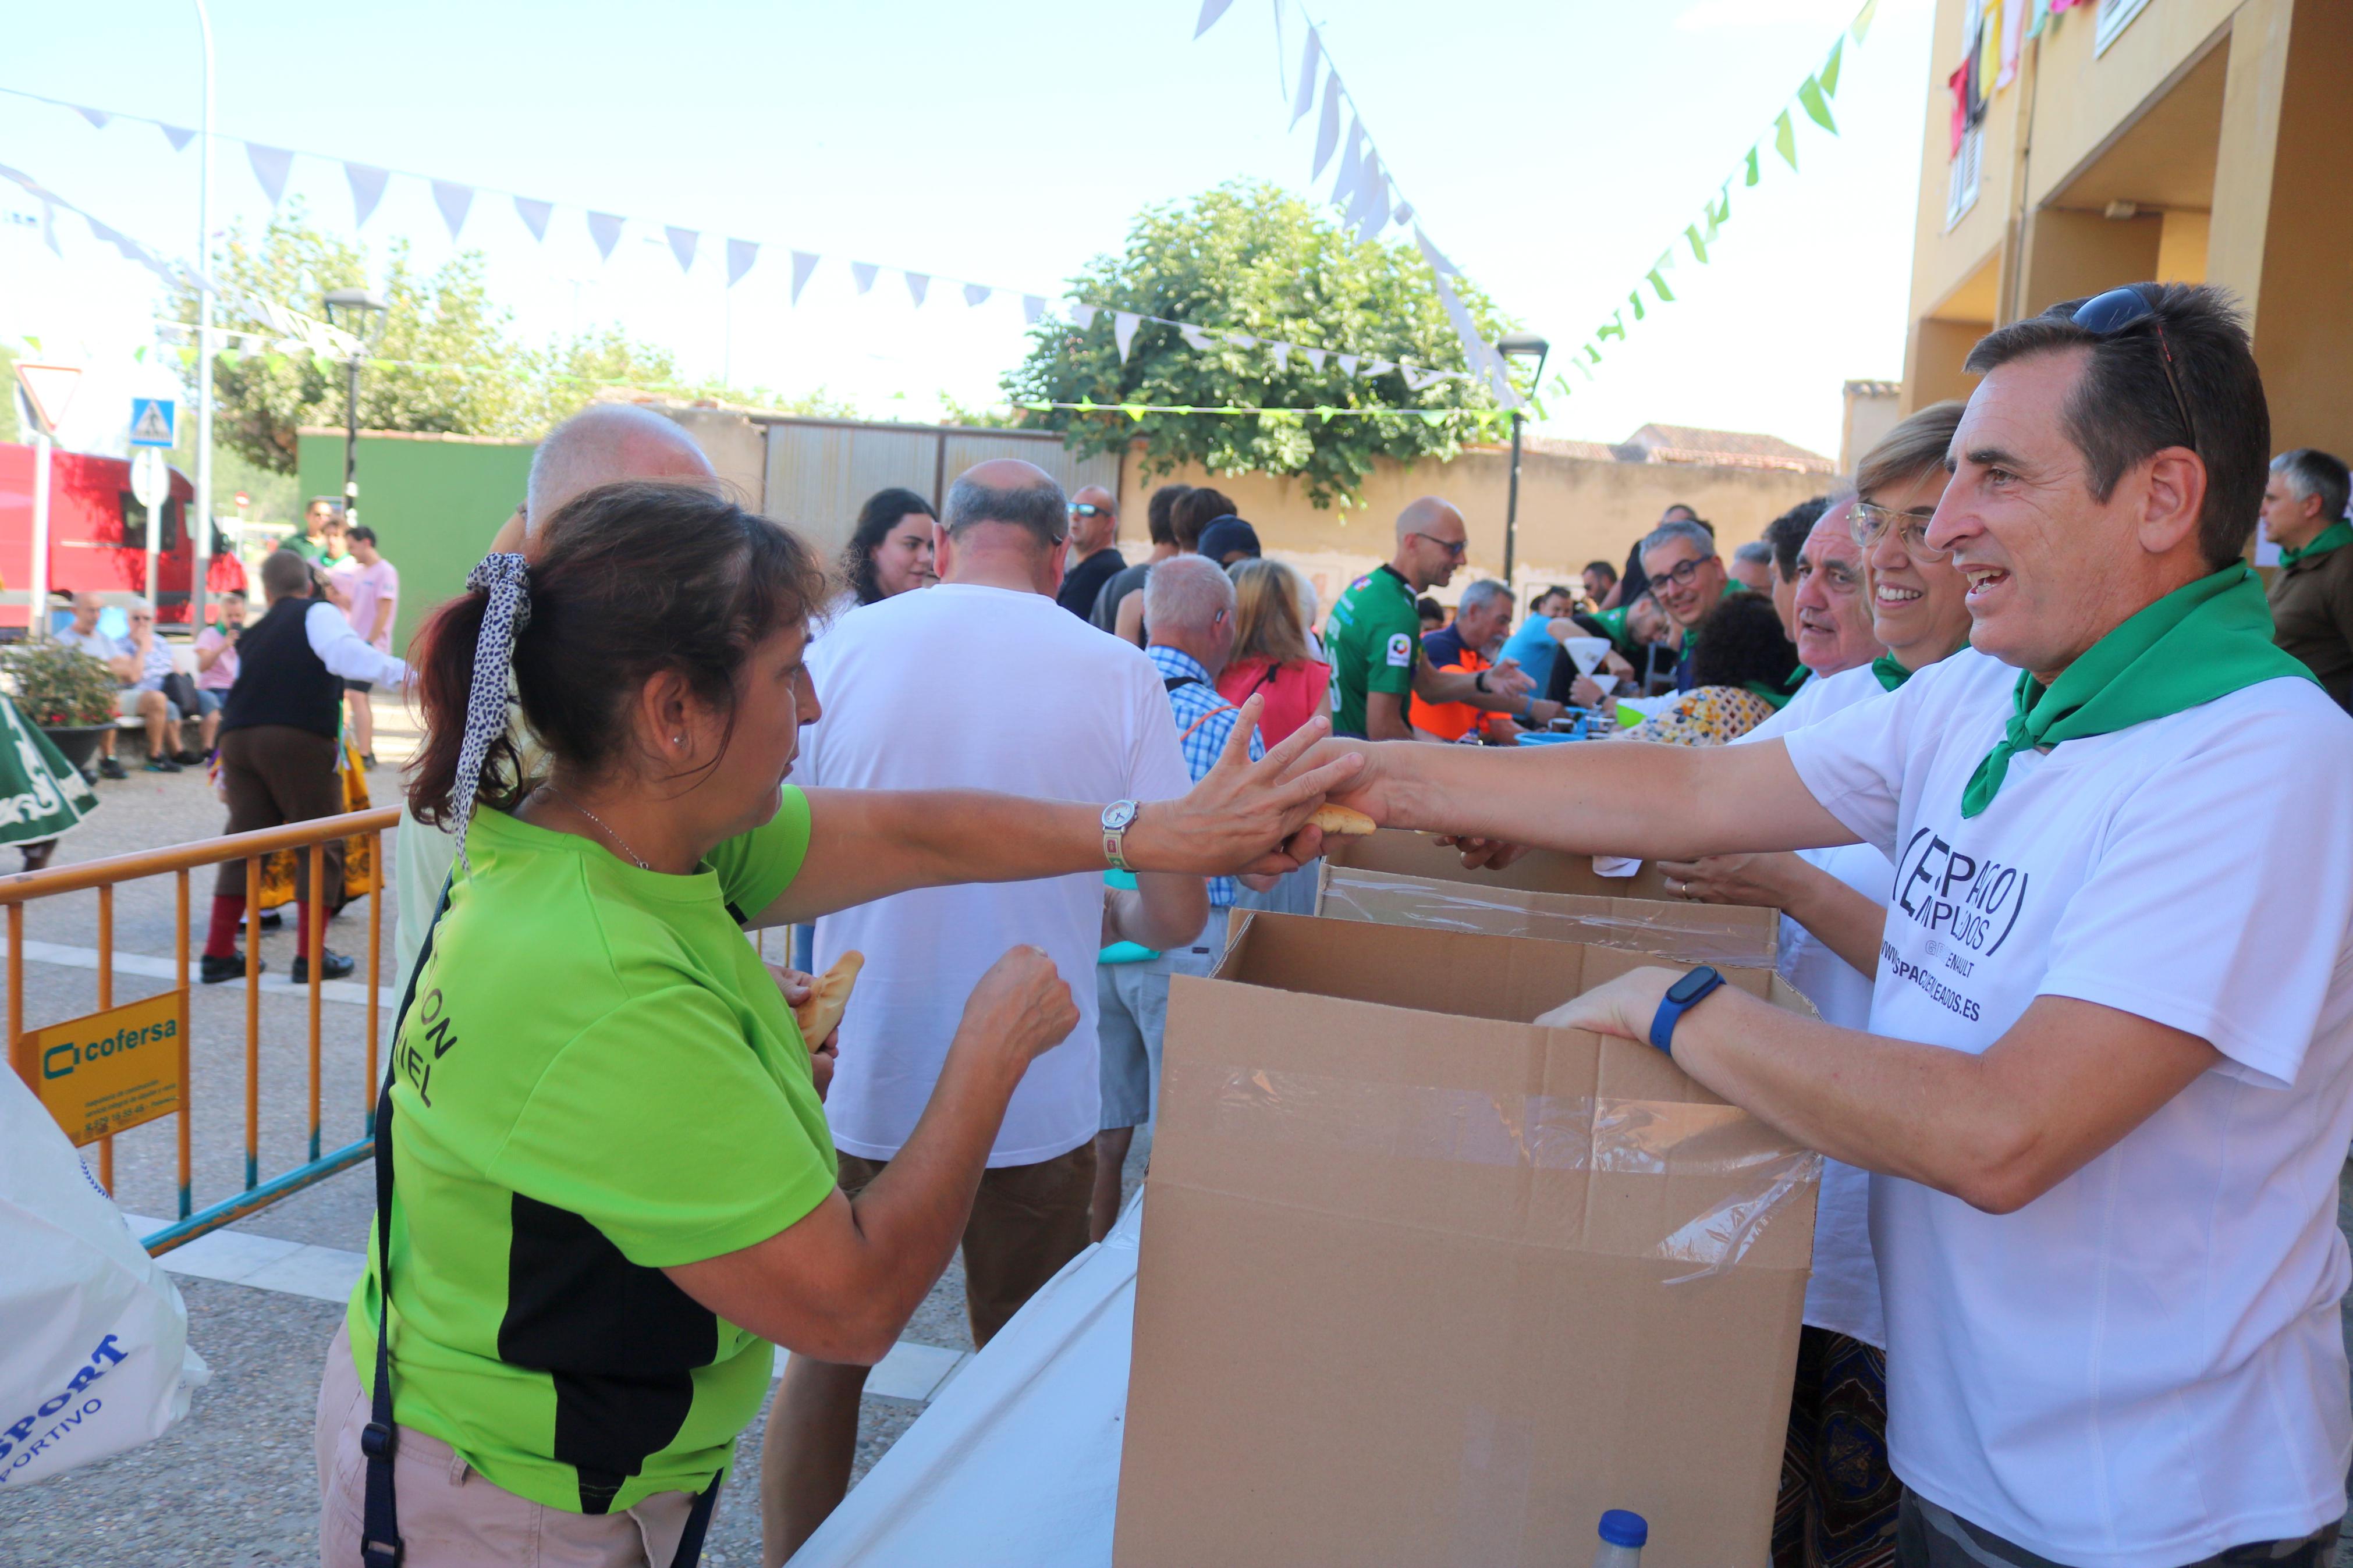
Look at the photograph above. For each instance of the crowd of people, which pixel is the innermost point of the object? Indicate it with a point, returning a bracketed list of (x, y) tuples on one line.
[(1996, 726)]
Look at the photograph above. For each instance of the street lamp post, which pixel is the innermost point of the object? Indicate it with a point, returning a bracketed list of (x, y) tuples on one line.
[(1517, 345), (357, 306)]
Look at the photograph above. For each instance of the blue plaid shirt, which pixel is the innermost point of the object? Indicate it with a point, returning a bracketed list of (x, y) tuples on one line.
[(1204, 722)]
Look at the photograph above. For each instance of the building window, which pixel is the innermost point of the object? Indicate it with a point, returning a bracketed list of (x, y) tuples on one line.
[(2114, 17), (1961, 193)]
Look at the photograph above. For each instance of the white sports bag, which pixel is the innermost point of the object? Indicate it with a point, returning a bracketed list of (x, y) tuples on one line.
[(94, 1354)]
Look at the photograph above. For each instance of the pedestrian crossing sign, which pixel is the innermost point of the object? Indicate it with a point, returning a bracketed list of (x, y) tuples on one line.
[(152, 422)]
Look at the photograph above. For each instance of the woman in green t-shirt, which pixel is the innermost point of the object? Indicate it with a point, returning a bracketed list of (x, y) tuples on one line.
[(605, 1186)]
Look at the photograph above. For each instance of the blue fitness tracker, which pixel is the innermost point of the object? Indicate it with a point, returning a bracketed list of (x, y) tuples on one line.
[(1681, 998)]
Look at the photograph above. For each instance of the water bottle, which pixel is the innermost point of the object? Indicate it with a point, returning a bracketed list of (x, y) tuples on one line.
[(1623, 1535)]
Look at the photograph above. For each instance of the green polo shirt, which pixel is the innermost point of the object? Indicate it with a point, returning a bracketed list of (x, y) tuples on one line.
[(1374, 637), (597, 1079)]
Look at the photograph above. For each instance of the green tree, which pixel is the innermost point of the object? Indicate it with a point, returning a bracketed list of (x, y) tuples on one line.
[(446, 362), (1251, 257)]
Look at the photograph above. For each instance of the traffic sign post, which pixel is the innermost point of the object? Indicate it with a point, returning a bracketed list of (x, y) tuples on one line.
[(45, 390), (152, 422)]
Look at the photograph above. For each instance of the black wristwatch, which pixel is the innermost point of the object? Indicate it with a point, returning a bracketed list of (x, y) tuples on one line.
[(1480, 681), (1681, 998)]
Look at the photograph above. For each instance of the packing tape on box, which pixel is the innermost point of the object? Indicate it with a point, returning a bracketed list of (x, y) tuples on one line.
[(1537, 1132), (1682, 931)]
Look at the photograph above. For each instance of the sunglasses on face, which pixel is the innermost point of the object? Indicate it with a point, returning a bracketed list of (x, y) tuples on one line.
[(1085, 508), (1453, 547), (1872, 523), (2120, 308)]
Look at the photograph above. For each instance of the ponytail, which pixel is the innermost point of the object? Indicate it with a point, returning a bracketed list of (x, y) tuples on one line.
[(467, 654)]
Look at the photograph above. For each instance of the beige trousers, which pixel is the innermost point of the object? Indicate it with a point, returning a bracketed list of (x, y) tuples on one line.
[(450, 1517)]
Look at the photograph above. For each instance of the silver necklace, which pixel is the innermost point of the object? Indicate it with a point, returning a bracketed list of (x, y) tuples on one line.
[(550, 786)]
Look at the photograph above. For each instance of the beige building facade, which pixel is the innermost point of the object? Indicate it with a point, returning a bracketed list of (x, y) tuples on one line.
[(2181, 141)]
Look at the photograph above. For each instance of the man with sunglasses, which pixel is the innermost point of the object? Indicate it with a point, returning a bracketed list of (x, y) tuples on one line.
[(1374, 635), (2106, 1083), (1094, 524)]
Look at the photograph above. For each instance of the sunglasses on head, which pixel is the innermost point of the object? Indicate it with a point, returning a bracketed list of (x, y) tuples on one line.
[(2105, 315)]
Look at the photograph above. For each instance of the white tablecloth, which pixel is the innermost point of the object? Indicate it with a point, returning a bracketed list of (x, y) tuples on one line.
[(1015, 1463)]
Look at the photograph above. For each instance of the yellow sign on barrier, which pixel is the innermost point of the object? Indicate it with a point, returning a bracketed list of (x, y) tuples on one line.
[(111, 1071)]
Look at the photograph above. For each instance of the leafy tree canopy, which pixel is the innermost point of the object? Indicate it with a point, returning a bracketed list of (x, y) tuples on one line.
[(447, 359), (1251, 257)]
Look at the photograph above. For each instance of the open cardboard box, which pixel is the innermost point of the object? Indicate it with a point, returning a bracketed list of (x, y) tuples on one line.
[(1423, 1284), (1407, 879)]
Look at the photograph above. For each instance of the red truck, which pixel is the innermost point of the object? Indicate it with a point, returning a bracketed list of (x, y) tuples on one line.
[(98, 536)]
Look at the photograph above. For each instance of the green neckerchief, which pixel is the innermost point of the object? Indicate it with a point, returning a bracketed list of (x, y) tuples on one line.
[(1891, 673), (2334, 537), (2196, 644), (1778, 696)]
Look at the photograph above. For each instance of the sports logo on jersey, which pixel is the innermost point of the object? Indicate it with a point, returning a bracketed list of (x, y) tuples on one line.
[(1401, 650)]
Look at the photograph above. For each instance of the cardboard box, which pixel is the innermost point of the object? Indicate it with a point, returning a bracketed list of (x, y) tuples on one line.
[(1670, 928), (1423, 1284), (1405, 854)]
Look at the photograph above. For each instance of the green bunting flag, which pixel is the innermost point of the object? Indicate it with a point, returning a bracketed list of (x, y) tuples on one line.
[(1817, 109), (1830, 71), (1666, 295), (1785, 138), (1861, 27), (1634, 298), (1699, 246), (1752, 164), (1719, 210)]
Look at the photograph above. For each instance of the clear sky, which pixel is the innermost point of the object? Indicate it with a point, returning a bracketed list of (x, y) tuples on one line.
[(1553, 148)]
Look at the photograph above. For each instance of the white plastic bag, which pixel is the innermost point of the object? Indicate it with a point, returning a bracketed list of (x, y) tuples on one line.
[(94, 1354)]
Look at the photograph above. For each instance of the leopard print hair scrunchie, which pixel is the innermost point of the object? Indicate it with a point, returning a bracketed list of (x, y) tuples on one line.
[(508, 583)]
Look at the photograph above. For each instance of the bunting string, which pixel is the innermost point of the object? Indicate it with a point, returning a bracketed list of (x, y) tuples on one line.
[(1813, 98), (455, 201)]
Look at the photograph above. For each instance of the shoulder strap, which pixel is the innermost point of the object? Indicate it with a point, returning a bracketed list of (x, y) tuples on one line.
[(1175, 682), (380, 1543)]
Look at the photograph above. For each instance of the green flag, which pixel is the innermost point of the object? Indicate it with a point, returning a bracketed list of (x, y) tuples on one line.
[(1751, 161), (1595, 354), (1818, 108), (1861, 27), (1616, 329), (1634, 298), (1666, 295), (1830, 71), (1699, 246), (1719, 210), (1785, 138)]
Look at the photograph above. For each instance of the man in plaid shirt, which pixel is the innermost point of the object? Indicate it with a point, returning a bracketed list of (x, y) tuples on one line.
[(1188, 613)]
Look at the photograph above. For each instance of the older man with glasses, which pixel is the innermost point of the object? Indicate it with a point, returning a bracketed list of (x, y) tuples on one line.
[(1094, 558), (1374, 635)]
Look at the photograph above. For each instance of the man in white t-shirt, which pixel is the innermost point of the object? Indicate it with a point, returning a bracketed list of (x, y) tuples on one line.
[(2108, 1082), (981, 682)]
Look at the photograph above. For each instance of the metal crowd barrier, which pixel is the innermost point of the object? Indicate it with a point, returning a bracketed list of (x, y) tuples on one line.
[(178, 861)]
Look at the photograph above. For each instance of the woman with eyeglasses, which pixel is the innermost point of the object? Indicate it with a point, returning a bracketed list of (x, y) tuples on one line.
[(1833, 904)]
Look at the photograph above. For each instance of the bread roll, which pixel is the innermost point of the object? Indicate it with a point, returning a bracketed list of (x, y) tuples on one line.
[(828, 998)]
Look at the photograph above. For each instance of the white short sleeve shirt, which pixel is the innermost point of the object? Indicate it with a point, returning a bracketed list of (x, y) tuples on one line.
[(2145, 1366), (1842, 1295), (963, 687)]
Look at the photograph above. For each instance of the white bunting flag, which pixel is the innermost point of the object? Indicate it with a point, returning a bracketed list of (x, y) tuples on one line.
[(1033, 309), (1347, 363), (1404, 213), (1482, 359), (1085, 315), (1210, 11), (1327, 133), (178, 138), (368, 190), (49, 228), (1417, 380), (863, 274), (1281, 352), (741, 254), (455, 201), (1123, 328), (1316, 356), (918, 285), (1195, 338), (803, 263), (1371, 197), (682, 244), (1243, 340), (535, 215), (1352, 166), (976, 294), (1304, 100), (605, 229), (98, 117), (1378, 367), (271, 165), (1436, 257)]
